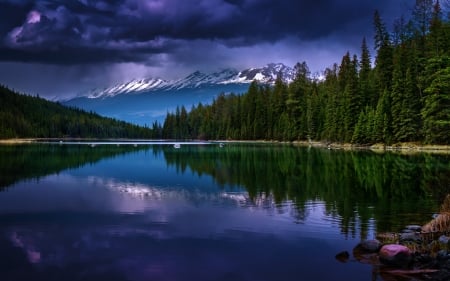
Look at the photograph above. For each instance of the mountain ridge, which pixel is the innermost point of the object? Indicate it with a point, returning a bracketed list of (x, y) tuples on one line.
[(146, 100), (196, 80)]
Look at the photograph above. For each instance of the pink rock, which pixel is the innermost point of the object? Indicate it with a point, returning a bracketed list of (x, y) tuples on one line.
[(395, 255)]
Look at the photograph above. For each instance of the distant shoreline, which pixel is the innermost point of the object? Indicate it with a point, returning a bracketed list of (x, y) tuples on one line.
[(379, 147)]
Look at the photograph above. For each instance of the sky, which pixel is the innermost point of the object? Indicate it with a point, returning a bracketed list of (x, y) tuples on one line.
[(62, 48)]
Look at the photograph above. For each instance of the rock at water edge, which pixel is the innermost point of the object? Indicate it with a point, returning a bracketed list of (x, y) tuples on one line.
[(395, 255)]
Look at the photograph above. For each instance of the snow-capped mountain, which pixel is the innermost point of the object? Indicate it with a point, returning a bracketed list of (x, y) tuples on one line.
[(264, 75), (143, 101), (138, 85)]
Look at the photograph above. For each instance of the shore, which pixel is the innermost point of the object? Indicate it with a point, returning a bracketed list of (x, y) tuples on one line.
[(407, 147), (16, 141)]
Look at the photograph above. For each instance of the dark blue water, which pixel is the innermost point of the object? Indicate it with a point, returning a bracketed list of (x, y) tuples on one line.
[(201, 212)]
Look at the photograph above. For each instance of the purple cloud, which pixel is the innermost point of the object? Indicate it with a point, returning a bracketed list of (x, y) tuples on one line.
[(171, 38), (107, 30)]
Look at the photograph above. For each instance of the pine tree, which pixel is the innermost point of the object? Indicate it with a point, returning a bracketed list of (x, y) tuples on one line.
[(183, 124), (314, 117), (296, 102), (249, 114), (438, 42), (368, 95), (436, 112), (331, 88), (422, 15), (350, 102), (398, 92), (359, 134), (383, 61), (411, 109), (278, 106), (260, 123), (382, 120)]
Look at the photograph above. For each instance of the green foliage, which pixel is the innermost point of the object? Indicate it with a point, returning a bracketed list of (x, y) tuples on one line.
[(365, 127), (24, 116), (366, 81), (403, 98), (436, 112), (384, 58)]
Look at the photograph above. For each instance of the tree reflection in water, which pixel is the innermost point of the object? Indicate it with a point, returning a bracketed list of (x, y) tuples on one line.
[(359, 187)]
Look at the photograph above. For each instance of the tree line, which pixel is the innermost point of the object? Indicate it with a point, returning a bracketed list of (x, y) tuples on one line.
[(24, 116), (403, 95)]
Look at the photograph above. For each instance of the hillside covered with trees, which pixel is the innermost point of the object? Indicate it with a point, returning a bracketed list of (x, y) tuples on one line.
[(402, 95), (23, 116)]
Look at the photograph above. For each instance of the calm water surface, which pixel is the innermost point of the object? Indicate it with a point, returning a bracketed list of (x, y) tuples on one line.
[(202, 212)]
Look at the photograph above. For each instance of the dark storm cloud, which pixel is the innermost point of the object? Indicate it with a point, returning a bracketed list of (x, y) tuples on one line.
[(86, 31)]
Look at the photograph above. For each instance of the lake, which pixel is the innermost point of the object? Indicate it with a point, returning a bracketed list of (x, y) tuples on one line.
[(143, 211)]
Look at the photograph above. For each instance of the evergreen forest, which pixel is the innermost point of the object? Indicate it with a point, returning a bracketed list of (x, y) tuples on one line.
[(400, 93), (23, 116)]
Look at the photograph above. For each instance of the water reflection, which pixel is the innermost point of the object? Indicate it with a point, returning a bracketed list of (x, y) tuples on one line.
[(241, 212), (356, 185), (32, 161), (107, 228)]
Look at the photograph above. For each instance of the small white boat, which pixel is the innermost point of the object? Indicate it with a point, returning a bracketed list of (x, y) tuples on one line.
[(177, 145), (221, 144)]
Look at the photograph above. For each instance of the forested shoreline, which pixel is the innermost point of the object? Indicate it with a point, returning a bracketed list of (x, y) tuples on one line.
[(402, 96), (23, 116)]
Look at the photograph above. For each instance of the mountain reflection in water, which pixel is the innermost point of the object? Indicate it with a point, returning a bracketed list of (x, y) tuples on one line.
[(238, 212)]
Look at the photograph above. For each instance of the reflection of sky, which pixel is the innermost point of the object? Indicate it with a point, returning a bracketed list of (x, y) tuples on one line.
[(132, 218), (195, 212), (144, 167)]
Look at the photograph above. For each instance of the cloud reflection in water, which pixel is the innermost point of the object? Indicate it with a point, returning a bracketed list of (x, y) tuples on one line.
[(95, 226)]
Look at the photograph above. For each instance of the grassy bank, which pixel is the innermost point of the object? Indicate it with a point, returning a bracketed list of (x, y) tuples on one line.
[(406, 147), (16, 141)]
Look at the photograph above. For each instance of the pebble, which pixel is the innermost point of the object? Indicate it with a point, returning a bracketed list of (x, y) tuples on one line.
[(414, 227), (444, 239), (343, 256)]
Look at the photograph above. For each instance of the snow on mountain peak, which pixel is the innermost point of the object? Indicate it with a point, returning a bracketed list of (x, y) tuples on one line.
[(133, 86), (269, 73), (265, 75)]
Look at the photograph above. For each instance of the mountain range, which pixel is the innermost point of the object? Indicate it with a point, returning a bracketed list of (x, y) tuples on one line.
[(143, 101)]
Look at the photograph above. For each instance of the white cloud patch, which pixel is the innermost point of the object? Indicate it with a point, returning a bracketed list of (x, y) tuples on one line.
[(34, 17)]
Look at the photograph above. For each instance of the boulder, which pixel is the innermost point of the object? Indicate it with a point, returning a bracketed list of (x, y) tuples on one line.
[(395, 255), (370, 246), (343, 256), (411, 237), (366, 251)]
